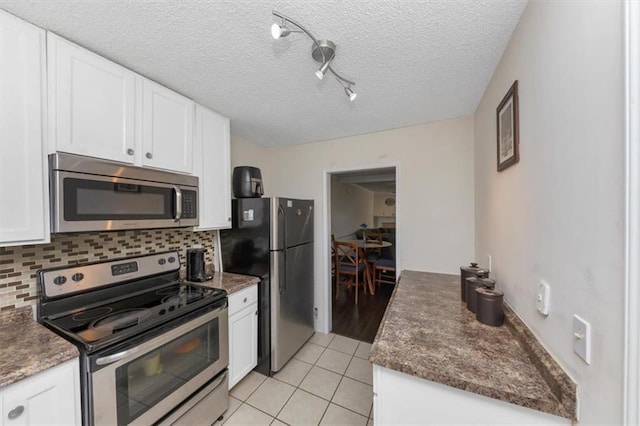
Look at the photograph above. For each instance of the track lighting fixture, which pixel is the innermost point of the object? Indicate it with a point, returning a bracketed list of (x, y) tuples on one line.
[(350, 93), (322, 51), (322, 70), (277, 31)]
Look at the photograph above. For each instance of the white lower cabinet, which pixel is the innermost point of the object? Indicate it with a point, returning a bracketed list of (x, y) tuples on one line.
[(51, 397), (403, 399), (24, 190), (243, 333)]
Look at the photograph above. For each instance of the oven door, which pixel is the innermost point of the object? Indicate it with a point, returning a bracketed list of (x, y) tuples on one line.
[(85, 202), (142, 382)]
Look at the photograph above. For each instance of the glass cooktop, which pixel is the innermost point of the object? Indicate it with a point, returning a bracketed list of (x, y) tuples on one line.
[(128, 315)]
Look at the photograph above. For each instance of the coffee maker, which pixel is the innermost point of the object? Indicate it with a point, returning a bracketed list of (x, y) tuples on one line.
[(195, 265)]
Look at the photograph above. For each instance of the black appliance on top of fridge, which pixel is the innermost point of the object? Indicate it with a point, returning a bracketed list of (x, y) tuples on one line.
[(272, 238)]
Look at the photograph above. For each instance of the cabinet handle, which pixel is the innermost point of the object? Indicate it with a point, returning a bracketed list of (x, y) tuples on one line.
[(256, 313), (245, 300), (148, 155), (228, 219), (16, 412), (130, 151)]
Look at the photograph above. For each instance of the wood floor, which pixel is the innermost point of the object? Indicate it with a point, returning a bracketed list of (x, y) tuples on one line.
[(359, 321)]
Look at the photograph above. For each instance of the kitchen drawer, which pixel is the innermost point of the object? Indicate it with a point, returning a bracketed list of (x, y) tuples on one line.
[(242, 299)]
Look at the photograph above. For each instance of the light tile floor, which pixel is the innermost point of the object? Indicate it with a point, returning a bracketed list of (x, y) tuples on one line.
[(328, 382)]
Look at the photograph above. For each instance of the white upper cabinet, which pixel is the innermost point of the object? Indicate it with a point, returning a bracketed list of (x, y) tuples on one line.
[(92, 103), (212, 166), (167, 128), (100, 109), (24, 196)]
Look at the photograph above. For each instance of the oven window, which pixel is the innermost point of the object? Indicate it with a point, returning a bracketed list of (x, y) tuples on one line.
[(148, 379), (97, 200)]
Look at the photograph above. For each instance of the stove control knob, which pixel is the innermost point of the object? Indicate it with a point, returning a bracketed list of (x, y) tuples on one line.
[(162, 312), (59, 280), (172, 259), (161, 261), (77, 276)]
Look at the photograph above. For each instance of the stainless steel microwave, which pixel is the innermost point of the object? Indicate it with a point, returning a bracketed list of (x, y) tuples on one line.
[(88, 194)]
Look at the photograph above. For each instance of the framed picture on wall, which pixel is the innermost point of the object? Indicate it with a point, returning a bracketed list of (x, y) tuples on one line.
[(507, 121)]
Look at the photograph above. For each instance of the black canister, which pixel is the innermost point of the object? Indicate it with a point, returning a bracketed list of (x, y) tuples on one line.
[(468, 272), (490, 309), (196, 266), (487, 282), (472, 299)]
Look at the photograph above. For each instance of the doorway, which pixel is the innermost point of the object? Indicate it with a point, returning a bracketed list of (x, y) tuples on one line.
[(361, 201)]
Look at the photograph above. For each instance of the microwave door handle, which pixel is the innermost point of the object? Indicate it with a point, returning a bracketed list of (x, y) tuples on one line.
[(110, 359), (178, 203)]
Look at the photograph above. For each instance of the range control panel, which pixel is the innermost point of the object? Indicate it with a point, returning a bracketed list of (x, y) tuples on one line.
[(75, 278)]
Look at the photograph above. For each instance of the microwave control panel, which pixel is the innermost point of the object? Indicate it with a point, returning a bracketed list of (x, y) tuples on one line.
[(189, 204)]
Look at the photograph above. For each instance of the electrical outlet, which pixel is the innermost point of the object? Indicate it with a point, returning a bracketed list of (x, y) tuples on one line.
[(582, 338), (315, 313), (543, 294)]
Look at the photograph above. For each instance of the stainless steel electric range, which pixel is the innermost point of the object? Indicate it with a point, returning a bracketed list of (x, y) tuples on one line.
[(152, 349)]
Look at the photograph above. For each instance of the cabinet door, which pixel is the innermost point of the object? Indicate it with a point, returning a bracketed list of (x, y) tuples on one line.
[(243, 343), (212, 166), (24, 209), (50, 397), (92, 103), (167, 128)]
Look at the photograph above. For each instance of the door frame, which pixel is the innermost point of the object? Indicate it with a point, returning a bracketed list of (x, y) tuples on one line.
[(631, 408), (326, 324)]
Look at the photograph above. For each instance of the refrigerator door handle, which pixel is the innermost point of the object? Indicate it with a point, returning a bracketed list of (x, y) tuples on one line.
[(282, 271), (282, 229), (278, 218), (278, 273), (283, 259)]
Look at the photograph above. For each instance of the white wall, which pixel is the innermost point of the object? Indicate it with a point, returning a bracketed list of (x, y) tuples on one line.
[(435, 188), (558, 215), (351, 206)]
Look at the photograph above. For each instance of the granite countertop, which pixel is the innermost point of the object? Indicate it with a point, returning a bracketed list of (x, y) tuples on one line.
[(230, 282), (28, 348), (428, 332)]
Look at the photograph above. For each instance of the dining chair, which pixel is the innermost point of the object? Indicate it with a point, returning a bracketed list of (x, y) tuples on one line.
[(373, 237), (333, 256), (385, 271), (372, 254), (350, 267)]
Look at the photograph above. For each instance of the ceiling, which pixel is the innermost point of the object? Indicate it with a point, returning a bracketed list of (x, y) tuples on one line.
[(377, 180), (412, 61)]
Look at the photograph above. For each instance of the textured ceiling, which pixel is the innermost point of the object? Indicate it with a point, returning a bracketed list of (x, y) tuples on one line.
[(412, 61)]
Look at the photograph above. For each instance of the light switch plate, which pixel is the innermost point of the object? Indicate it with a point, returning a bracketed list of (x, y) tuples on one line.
[(582, 338), (543, 294)]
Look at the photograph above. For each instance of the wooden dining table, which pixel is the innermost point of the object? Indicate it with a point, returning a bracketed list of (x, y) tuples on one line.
[(364, 246)]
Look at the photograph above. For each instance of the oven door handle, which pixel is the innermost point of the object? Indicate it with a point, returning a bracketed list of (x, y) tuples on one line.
[(116, 357)]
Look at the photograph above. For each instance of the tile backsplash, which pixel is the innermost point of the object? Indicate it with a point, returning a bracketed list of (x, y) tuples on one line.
[(18, 265)]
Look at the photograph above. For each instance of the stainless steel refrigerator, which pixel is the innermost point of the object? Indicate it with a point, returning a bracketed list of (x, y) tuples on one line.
[(272, 238)]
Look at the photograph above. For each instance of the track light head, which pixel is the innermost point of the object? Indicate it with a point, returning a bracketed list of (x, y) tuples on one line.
[(278, 31), (350, 93), (322, 70)]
